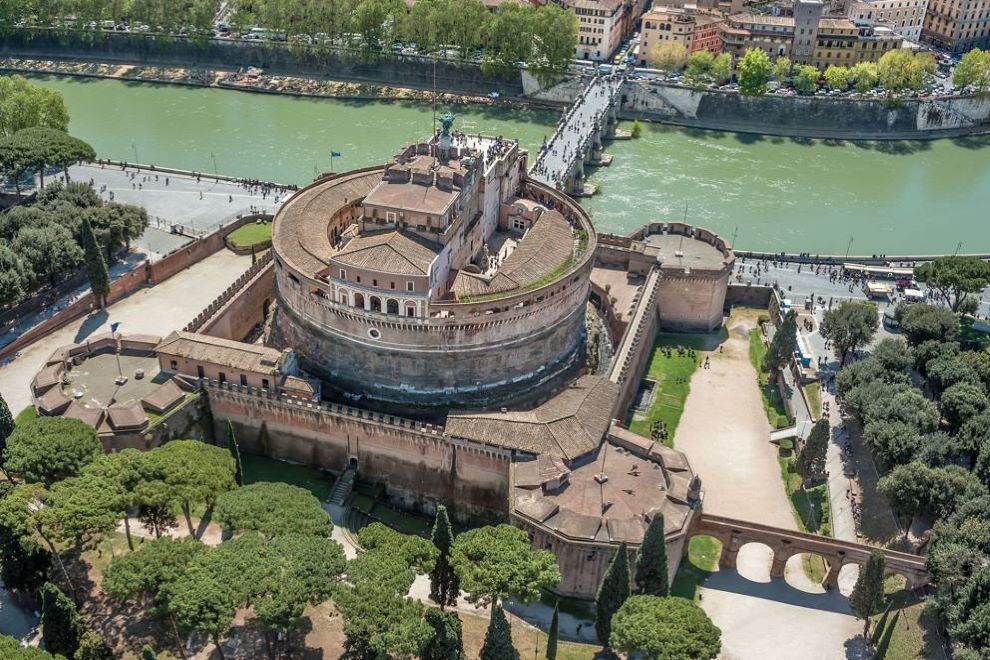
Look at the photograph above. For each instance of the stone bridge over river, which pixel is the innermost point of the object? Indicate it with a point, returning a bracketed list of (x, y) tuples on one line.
[(577, 141), (734, 534)]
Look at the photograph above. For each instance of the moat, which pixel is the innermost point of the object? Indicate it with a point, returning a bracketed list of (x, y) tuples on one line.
[(769, 193)]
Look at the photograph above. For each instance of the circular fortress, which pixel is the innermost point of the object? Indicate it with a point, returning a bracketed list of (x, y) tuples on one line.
[(443, 278)]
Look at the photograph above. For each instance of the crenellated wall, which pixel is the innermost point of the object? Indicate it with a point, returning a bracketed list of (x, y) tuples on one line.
[(242, 306), (416, 462)]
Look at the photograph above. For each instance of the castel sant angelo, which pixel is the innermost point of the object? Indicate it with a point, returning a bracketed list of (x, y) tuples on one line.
[(447, 327)]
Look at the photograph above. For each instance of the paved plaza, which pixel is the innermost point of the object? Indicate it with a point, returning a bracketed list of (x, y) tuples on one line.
[(156, 311)]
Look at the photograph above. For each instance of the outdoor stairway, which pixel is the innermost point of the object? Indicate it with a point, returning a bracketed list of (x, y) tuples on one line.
[(343, 487)]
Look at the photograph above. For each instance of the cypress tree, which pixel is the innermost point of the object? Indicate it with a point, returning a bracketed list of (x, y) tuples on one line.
[(783, 345), (61, 625), (498, 639), (148, 653), (651, 560), (612, 593), (444, 583), (96, 266), (867, 594), (24, 564), (554, 633), (6, 428), (235, 451), (447, 643), (92, 647)]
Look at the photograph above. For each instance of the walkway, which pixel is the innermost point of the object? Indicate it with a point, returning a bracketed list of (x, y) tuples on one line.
[(581, 126)]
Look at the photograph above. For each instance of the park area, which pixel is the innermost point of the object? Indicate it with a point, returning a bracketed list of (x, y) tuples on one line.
[(251, 234), (773, 403), (673, 361)]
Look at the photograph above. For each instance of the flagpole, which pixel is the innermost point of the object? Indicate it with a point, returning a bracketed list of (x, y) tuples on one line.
[(120, 372)]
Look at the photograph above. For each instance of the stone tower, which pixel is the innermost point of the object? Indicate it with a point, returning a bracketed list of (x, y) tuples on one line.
[(807, 14)]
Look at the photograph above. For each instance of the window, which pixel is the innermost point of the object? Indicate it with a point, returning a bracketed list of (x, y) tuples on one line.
[(391, 285), (410, 286), (200, 371), (374, 282), (343, 274), (173, 365), (243, 380), (264, 383), (357, 279), (223, 377), (410, 311)]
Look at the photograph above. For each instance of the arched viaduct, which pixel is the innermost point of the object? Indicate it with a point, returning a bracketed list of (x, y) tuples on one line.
[(734, 534)]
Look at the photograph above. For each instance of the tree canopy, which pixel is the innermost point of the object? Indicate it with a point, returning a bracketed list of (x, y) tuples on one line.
[(754, 72), (49, 449), (665, 629), (24, 104), (867, 594), (195, 472), (900, 70), (955, 277), (973, 69), (272, 508), (495, 562), (850, 326)]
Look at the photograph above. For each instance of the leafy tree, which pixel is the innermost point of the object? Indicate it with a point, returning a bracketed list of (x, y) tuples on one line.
[(811, 461), (148, 653), (24, 104), (651, 560), (837, 77), (49, 251), (850, 326), (444, 584), (699, 66), (612, 593), (49, 449), (555, 32), (784, 343), (128, 469), (510, 38), (867, 594), (146, 572), (6, 428), (81, 510), (664, 628), (961, 402), (116, 225), (668, 56), (446, 643), (944, 372), (272, 509), (22, 512), (554, 633), (805, 78), (864, 76), (96, 267), (413, 551), (722, 68), (754, 72), (235, 452), (92, 647), (908, 488), (15, 278), (973, 69), (42, 147), (782, 68), (195, 472), (24, 564), (201, 603), (893, 441), (495, 562), (498, 638), (11, 649), (955, 277), (900, 70), (61, 625), (893, 355)]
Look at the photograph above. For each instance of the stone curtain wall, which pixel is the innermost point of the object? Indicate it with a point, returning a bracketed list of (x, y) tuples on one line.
[(241, 306), (273, 57), (416, 461)]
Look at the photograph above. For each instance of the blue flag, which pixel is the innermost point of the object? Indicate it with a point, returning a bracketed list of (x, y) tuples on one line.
[(335, 154), (114, 326)]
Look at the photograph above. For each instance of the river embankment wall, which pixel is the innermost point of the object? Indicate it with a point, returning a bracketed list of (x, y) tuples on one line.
[(413, 71)]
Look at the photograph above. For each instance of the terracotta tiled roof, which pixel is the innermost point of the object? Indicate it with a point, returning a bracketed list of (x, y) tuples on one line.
[(126, 417), (164, 397), (547, 246), (410, 196), (569, 425), (396, 252), (224, 352)]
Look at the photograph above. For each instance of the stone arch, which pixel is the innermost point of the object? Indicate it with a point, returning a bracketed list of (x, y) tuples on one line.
[(755, 561), (810, 572), (392, 306), (376, 304), (359, 300)]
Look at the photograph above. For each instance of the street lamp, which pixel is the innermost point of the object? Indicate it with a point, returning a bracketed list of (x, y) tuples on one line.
[(849, 246), (213, 156), (134, 147)]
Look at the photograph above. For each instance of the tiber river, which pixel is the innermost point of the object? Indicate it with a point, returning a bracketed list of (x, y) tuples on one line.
[(770, 193)]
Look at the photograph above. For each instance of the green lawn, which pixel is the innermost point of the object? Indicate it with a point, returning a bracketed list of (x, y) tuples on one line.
[(260, 468), (25, 416), (701, 561), (811, 510), (911, 630), (251, 234), (673, 377), (813, 394), (773, 404), (972, 337)]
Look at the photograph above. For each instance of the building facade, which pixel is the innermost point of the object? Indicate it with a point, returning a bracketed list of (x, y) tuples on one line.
[(904, 17), (957, 25), (602, 25), (681, 25)]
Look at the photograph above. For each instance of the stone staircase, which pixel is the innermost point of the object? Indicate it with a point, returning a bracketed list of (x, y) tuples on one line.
[(343, 487)]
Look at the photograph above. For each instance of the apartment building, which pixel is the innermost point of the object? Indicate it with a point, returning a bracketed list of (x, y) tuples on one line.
[(602, 25), (957, 25), (905, 17), (683, 25)]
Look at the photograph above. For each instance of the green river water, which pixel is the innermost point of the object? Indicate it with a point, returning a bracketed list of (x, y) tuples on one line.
[(770, 193)]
